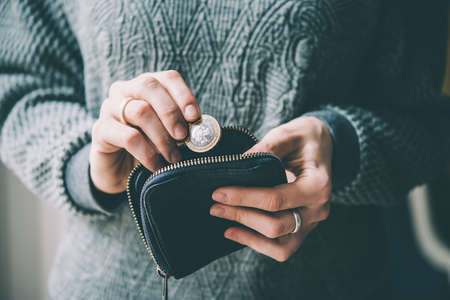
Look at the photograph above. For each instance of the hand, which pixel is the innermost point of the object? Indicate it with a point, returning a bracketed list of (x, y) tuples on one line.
[(305, 147), (154, 121)]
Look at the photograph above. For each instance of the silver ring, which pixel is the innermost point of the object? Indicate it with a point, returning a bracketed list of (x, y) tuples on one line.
[(123, 105), (298, 221)]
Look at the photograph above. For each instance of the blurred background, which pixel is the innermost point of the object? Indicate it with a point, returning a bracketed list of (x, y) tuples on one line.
[(29, 234), (31, 229)]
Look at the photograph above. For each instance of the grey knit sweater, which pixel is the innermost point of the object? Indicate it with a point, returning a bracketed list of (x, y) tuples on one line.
[(378, 65)]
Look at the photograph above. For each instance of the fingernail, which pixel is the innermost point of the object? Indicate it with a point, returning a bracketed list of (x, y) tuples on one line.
[(180, 131), (217, 211), (220, 197), (191, 111), (175, 156)]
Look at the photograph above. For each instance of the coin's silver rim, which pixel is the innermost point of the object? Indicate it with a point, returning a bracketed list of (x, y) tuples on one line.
[(213, 143)]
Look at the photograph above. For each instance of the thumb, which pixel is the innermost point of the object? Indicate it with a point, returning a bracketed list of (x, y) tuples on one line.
[(259, 147), (276, 142)]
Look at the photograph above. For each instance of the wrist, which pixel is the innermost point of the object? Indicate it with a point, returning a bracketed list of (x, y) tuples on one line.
[(81, 189), (103, 184), (104, 178), (345, 150), (105, 199)]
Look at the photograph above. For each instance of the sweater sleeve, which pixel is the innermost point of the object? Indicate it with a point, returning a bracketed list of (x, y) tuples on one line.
[(82, 189), (44, 120), (391, 98), (398, 150)]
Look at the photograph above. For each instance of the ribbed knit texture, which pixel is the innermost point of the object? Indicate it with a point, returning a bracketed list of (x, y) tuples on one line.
[(256, 64)]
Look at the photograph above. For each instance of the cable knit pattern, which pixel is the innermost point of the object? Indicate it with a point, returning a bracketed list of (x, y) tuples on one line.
[(44, 118), (256, 64)]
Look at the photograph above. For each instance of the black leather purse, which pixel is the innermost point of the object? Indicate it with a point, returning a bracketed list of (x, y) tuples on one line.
[(171, 206)]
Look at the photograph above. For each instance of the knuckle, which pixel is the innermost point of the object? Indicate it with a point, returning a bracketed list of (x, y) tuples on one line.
[(169, 113), (281, 131), (283, 254), (273, 202), (172, 74), (148, 81), (140, 110), (144, 75), (188, 99), (132, 138), (116, 86), (275, 230)]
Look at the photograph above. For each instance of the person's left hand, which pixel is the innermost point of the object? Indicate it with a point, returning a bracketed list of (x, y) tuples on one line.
[(305, 147)]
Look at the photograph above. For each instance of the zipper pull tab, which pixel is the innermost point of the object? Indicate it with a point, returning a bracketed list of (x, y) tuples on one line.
[(164, 286)]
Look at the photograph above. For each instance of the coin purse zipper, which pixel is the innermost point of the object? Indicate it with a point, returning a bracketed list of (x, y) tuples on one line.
[(205, 160)]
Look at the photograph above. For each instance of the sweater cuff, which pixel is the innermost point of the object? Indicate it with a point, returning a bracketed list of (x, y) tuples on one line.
[(346, 155), (83, 191)]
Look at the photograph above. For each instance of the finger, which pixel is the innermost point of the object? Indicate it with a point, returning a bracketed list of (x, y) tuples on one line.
[(277, 141), (269, 225), (281, 197), (181, 93), (148, 88), (139, 113), (311, 188), (113, 134), (279, 249)]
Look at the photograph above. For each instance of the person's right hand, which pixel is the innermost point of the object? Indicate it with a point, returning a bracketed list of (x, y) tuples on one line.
[(156, 119)]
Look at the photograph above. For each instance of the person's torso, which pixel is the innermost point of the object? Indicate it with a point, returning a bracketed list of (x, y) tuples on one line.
[(255, 64)]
